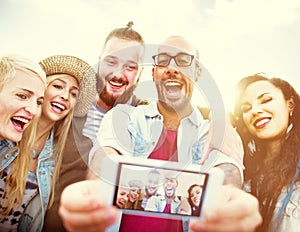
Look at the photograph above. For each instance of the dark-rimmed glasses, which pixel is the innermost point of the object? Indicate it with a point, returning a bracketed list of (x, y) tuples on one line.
[(181, 59)]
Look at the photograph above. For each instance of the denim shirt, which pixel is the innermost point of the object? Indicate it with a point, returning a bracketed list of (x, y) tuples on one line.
[(33, 216)]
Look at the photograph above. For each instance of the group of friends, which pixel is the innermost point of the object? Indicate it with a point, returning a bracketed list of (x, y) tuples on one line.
[(60, 118), (146, 197)]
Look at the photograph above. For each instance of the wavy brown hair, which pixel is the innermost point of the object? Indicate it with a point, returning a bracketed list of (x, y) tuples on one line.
[(267, 179)]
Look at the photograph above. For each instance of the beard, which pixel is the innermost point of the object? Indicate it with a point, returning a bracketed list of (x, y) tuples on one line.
[(108, 98), (112, 101)]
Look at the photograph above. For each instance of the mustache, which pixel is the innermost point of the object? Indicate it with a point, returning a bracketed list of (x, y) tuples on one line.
[(171, 76)]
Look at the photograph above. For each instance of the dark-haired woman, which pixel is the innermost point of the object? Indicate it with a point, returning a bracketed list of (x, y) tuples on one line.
[(267, 113)]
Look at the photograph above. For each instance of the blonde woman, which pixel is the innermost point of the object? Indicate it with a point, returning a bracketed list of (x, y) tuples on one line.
[(134, 195), (22, 85), (69, 80)]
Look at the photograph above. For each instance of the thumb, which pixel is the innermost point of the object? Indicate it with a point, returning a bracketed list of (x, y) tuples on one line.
[(81, 195)]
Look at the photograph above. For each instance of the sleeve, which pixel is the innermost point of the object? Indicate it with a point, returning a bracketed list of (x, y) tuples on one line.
[(113, 131)]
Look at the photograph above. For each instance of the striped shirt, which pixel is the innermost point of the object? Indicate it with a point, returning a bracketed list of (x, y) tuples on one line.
[(94, 118)]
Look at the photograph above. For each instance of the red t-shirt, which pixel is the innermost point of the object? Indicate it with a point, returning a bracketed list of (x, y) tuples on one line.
[(166, 149)]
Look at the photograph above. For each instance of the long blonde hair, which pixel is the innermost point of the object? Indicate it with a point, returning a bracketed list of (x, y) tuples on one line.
[(61, 130), (16, 179)]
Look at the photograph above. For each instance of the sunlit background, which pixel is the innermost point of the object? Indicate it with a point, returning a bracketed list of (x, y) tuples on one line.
[(235, 38)]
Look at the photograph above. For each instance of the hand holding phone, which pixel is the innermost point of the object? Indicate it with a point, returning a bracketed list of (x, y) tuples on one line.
[(158, 188)]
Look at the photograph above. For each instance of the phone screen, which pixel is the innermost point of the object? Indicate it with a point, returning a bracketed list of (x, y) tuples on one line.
[(149, 189)]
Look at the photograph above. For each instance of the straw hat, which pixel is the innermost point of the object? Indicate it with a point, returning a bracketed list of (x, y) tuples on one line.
[(79, 69)]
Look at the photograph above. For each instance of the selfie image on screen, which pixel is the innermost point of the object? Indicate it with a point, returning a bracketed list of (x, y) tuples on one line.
[(159, 190)]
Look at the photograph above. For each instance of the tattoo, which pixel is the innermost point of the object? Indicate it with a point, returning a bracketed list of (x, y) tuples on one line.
[(232, 174)]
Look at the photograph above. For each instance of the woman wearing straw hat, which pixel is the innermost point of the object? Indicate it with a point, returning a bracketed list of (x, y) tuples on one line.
[(70, 80), (134, 195)]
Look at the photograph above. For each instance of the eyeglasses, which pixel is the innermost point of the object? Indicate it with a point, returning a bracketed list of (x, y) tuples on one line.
[(181, 59)]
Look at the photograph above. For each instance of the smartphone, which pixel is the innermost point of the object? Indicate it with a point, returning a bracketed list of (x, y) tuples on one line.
[(159, 188)]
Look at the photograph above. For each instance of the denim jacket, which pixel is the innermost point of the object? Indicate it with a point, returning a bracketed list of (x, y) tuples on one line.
[(33, 216), (145, 133), (5, 157), (135, 131)]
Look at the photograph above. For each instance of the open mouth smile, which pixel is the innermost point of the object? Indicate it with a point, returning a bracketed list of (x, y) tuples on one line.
[(173, 88), (58, 107), (261, 122), (117, 84), (19, 123), (173, 85)]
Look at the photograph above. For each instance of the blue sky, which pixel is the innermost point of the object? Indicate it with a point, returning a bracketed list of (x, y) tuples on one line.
[(235, 38)]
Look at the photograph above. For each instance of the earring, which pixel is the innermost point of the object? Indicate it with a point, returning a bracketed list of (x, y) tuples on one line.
[(290, 127)]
